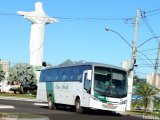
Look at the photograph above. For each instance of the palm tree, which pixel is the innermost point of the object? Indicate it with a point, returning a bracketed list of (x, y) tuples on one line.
[(147, 94)]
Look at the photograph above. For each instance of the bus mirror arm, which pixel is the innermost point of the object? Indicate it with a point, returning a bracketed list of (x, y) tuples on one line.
[(129, 70), (88, 91)]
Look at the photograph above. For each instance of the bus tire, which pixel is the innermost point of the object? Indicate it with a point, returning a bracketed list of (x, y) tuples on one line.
[(51, 105), (79, 109)]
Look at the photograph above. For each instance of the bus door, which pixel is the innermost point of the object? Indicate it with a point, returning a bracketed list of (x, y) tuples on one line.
[(87, 88)]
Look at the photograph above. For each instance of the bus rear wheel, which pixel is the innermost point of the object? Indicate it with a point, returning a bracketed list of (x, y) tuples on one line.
[(79, 109), (51, 105)]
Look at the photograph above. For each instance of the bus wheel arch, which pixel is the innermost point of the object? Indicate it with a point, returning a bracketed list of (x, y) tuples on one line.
[(78, 107)]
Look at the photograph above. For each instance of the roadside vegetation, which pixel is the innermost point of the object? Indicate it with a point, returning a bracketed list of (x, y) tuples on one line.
[(23, 78), (9, 116), (21, 81), (146, 98)]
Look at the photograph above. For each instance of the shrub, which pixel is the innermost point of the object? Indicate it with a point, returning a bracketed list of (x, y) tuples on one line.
[(15, 89)]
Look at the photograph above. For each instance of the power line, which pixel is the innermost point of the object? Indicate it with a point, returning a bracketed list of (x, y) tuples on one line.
[(151, 11), (148, 49), (144, 18), (70, 18), (150, 53), (150, 28), (146, 57), (143, 59), (41, 46), (153, 14), (8, 14), (146, 66), (89, 18)]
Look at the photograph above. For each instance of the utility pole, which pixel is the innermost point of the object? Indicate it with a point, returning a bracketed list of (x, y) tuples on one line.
[(156, 67), (133, 61)]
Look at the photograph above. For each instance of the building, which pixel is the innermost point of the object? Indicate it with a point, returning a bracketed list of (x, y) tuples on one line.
[(125, 64), (150, 80), (4, 83), (5, 65)]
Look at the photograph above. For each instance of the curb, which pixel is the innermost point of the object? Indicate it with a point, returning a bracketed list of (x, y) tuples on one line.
[(16, 98), (133, 115), (45, 118)]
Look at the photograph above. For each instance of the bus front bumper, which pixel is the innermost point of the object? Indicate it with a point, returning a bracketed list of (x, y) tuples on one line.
[(114, 104)]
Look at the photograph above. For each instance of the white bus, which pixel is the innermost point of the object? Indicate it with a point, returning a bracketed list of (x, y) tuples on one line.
[(88, 85)]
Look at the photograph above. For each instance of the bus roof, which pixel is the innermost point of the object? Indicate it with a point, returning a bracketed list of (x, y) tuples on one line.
[(88, 63)]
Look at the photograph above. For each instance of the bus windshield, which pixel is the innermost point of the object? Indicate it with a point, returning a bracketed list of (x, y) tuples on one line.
[(110, 82)]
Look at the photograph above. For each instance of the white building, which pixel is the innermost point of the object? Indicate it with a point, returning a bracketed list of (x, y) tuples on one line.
[(4, 83), (5, 65), (150, 80)]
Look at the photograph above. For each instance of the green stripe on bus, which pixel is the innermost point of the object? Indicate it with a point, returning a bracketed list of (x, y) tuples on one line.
[(101, 98), (50, 90)]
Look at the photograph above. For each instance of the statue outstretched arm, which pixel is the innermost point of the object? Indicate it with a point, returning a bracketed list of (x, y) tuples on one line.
[(28, 15), (34, 17)]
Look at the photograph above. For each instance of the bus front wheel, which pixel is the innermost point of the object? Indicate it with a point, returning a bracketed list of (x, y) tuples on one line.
[(51, 105), (79, 109)]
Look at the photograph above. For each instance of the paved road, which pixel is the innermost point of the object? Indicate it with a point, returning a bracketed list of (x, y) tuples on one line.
[(61, 114)]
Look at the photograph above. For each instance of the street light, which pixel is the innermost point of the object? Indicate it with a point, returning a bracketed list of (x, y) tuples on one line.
[(134, 60), (107, 29)]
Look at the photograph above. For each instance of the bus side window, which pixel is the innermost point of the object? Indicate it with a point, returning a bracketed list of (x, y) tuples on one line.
[(87, 83)]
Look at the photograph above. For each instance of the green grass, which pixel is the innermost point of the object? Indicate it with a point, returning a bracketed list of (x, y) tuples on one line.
[(18, 95), (26, 115)]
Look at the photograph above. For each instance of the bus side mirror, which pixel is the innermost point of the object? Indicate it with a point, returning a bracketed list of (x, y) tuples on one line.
[(89, 74)]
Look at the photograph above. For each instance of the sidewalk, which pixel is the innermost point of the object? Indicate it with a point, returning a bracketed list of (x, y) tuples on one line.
[(132, 114)]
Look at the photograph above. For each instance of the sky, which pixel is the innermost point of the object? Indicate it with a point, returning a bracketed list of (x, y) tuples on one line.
[(80, 33)]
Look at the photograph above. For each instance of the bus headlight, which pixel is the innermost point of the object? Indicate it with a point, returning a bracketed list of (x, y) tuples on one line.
[(123, 102)]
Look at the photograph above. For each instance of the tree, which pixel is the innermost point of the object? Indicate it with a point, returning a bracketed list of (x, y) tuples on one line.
[(23, 75), (138, 80), (146, 94), (70, 62), (2, 73)]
